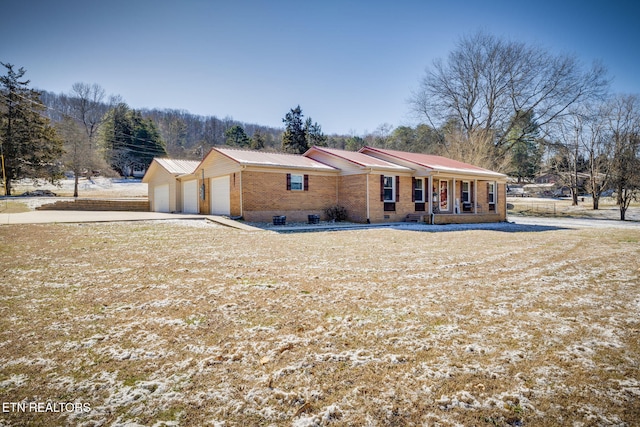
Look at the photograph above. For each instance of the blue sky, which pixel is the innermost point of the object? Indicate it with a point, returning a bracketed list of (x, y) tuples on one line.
[(350, 65)]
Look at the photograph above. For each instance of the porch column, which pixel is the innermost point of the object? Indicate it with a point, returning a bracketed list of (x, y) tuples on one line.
[(475, 196), (456, 209), (429, 194)]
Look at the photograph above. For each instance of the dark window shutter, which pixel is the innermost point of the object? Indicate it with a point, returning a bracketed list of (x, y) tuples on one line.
[(413, 191), (306, 183), (488, 195), (382, 188), (288, 182), (397, 188)]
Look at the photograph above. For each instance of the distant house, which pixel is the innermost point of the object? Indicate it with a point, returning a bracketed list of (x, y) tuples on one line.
[(374, 185)]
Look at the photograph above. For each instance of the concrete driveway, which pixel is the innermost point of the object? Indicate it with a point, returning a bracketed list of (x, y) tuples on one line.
[(52, 217)]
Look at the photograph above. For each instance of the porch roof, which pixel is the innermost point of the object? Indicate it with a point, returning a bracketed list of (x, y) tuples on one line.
[(359, 159), (433, 162)]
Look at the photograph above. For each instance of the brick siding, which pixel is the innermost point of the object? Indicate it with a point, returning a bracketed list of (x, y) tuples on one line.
[(265, 194)]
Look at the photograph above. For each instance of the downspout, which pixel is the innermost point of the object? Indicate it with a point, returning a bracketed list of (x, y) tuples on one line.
[(242, 168), (433, 199), (367, 199)]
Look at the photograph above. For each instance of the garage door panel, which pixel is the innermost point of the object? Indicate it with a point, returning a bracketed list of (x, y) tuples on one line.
[(161, 198), (190, 197), (220, 196)]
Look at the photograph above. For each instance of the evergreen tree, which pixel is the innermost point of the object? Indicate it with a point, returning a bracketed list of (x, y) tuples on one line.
[(29, 145), (146, 140), (526, 152), (257, 140), (314, 134), (294, 138), (129, 141), (299, 136), (236, 137)]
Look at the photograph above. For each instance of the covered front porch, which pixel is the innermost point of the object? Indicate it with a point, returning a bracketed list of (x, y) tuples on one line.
[(455, 199)]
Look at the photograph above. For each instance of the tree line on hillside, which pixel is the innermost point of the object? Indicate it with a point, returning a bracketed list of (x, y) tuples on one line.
[(499, 104)]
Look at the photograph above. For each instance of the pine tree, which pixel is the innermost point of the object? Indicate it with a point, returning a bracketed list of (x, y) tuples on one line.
[(314, 134), (129, 141), (236, 137), (29, 144), (526, 152), (294, 138)]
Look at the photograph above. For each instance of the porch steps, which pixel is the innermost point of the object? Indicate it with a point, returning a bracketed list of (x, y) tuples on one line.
[(130, 205), (414, 218)]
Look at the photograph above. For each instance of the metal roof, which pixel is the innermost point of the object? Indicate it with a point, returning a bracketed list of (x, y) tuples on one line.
[(178, 167), (436, 163), (360, 159), (262, 158)]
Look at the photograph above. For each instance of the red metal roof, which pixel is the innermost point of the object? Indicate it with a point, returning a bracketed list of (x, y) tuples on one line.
[(430, 161), (359, 158)]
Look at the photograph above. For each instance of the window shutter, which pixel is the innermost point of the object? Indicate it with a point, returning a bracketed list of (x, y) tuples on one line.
[(488, 195), (288, 182), (382, 188), (306, 183), (413, 192), (397, 188)]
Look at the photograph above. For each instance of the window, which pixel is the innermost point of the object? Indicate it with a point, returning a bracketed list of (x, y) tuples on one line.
[(466, 193), (491, 195), (418, 190), (297, 182), (444, 195), (389, 189)]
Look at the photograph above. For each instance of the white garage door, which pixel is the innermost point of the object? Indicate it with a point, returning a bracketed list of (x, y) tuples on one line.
[(161, 198), (190, 196), (220, 196)]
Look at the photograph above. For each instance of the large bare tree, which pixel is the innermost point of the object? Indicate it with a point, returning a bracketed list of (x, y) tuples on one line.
[(76, 147), (487, 83), (624, 128), (87, 104)]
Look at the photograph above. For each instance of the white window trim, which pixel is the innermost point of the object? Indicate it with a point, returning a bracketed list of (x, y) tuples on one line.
[(468, 192), (294, 181), (422, 180), (393, 189), (492, 192)]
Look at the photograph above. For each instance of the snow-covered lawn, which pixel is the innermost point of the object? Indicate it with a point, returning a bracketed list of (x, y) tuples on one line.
[(190, 323)]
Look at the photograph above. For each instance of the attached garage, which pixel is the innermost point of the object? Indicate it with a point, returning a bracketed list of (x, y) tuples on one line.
[(190, 196), (164, 179), (161, 198), (220, 196)]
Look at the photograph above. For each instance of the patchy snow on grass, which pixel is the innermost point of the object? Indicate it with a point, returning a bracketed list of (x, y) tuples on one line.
[(188, 323)]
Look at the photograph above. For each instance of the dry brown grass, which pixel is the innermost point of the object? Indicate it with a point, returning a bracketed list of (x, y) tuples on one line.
[(608, 209), (174, 323)]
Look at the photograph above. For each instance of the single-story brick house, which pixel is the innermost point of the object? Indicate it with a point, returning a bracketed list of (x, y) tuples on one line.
[(374, 185)]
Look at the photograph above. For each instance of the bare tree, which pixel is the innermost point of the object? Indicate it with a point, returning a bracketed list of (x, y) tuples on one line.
[(76, 147), (88, 107), (486, 82), (597, 151), (569, 131), (624, 125)]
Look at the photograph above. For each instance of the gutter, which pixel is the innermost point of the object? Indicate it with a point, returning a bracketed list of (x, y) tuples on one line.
[(242, 168)]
